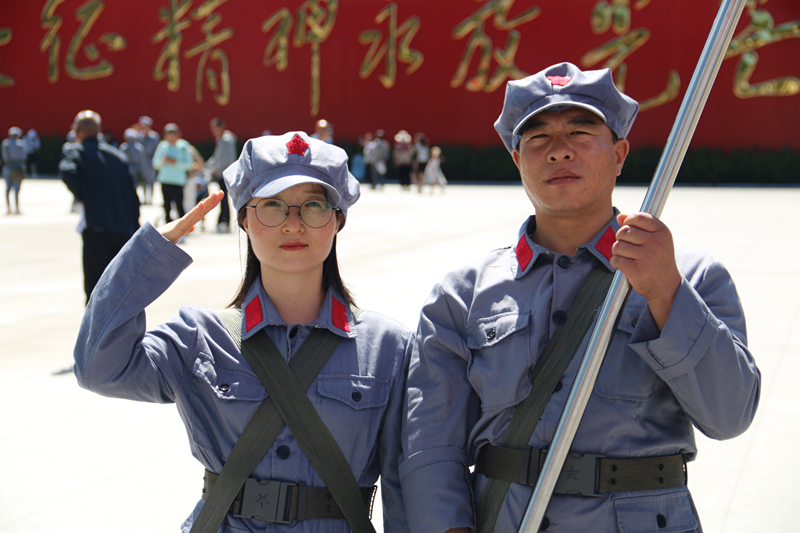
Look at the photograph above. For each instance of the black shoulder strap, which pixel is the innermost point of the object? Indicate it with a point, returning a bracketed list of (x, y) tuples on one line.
[(551, 365), (262, 429), (306, 425)]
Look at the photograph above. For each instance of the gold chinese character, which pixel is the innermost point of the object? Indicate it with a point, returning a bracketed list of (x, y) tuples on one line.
[(171, 33), (5, 38), (475, 24), (617, 17), (277, 51), (315, 21), (389, 48), (761, 32), (87, 14), (219, 85)]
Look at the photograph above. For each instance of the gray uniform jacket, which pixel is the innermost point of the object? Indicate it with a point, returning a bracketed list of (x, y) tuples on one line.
[(481, 332), (193, 362), (149, 142), (13, 153), (224, 154)]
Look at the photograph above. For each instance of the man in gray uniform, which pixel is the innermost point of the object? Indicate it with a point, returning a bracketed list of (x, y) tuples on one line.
[(224, 154), (677, 359)]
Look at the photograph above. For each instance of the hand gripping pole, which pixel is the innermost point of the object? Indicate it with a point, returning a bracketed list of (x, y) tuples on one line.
[(663, 179)]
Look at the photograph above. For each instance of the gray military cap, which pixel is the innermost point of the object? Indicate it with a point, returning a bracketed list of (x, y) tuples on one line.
[(561, 86), (271, 164)]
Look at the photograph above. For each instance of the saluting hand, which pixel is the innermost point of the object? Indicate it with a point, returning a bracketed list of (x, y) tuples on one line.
[(185, 225), (645, 253)]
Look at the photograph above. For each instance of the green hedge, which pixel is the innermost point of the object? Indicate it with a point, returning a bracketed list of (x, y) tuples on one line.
[(712, 166), (462, 163), (50, 154), (701, 166)]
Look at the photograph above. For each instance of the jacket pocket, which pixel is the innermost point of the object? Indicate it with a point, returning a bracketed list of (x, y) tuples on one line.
[(500, 359), (222, 401), (664, 513), (353, 408), (624, 375), (229, 384), (359, 392)]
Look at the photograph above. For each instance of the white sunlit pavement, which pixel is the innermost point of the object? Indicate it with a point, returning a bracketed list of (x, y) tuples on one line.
[(73, 461)]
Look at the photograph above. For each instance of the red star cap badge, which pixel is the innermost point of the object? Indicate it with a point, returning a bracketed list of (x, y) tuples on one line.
[(559, 80), (297, 145)]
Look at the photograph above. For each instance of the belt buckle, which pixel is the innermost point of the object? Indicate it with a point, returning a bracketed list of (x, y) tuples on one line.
[(266, 500), (579, 475)]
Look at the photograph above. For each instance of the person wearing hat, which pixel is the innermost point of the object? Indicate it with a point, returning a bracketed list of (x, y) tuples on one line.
[(677, 359), (292, 194), (403, 154), (14, 156)]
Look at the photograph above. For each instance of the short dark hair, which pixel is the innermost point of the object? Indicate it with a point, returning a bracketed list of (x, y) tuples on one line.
[(218, 122)]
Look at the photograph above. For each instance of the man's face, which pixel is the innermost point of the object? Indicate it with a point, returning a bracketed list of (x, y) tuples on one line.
[(216, 130), (569, 163)]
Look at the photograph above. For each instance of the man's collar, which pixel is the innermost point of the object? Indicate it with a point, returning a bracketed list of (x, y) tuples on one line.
[(527, 252), (258, 311)]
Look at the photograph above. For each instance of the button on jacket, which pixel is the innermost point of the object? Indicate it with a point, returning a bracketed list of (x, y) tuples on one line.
[(482, 330), (192, 361)]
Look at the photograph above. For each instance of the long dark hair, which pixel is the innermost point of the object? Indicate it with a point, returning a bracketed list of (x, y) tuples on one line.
[(252, 269)]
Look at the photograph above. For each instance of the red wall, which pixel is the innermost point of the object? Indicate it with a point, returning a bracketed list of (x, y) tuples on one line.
[(262, 97)]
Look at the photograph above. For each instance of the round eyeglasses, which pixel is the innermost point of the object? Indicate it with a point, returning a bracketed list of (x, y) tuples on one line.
[(273, 212)]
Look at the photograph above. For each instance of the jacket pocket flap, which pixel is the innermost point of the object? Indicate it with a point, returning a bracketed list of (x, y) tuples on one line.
[(491, 330), (229, 384), (359, 392)]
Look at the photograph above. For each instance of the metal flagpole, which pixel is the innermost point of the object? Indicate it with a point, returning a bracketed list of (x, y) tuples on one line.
[(663, 179)]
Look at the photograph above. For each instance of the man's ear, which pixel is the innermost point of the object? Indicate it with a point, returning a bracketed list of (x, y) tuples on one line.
[(621, 149), (515, 155)]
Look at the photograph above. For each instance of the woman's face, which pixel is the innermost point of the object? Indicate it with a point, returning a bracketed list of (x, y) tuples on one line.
[(292, 248)]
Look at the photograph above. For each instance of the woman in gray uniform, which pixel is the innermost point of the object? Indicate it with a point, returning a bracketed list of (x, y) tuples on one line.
[(291, 193)]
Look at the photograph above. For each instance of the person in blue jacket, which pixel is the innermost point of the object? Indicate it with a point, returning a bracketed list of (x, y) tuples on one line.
[(677, 359), (292, 194), (173, 160)]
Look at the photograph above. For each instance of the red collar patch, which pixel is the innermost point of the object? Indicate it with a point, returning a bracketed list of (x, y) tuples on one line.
[(253, 314), (606, 242), (339, 315), (524, 253), (559, 80), (297, 145)]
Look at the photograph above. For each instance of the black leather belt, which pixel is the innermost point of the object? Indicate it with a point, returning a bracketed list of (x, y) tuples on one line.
[(282, 502), (586, 475)]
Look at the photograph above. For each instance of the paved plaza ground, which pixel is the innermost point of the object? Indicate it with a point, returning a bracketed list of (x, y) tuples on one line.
[(73, 461)]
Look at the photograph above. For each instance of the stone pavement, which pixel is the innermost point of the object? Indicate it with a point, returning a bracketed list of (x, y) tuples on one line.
[(73, 461)]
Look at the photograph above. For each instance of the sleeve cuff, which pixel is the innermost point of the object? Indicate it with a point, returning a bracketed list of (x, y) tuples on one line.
[(162, 244), (437, 492), (686, 337)]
